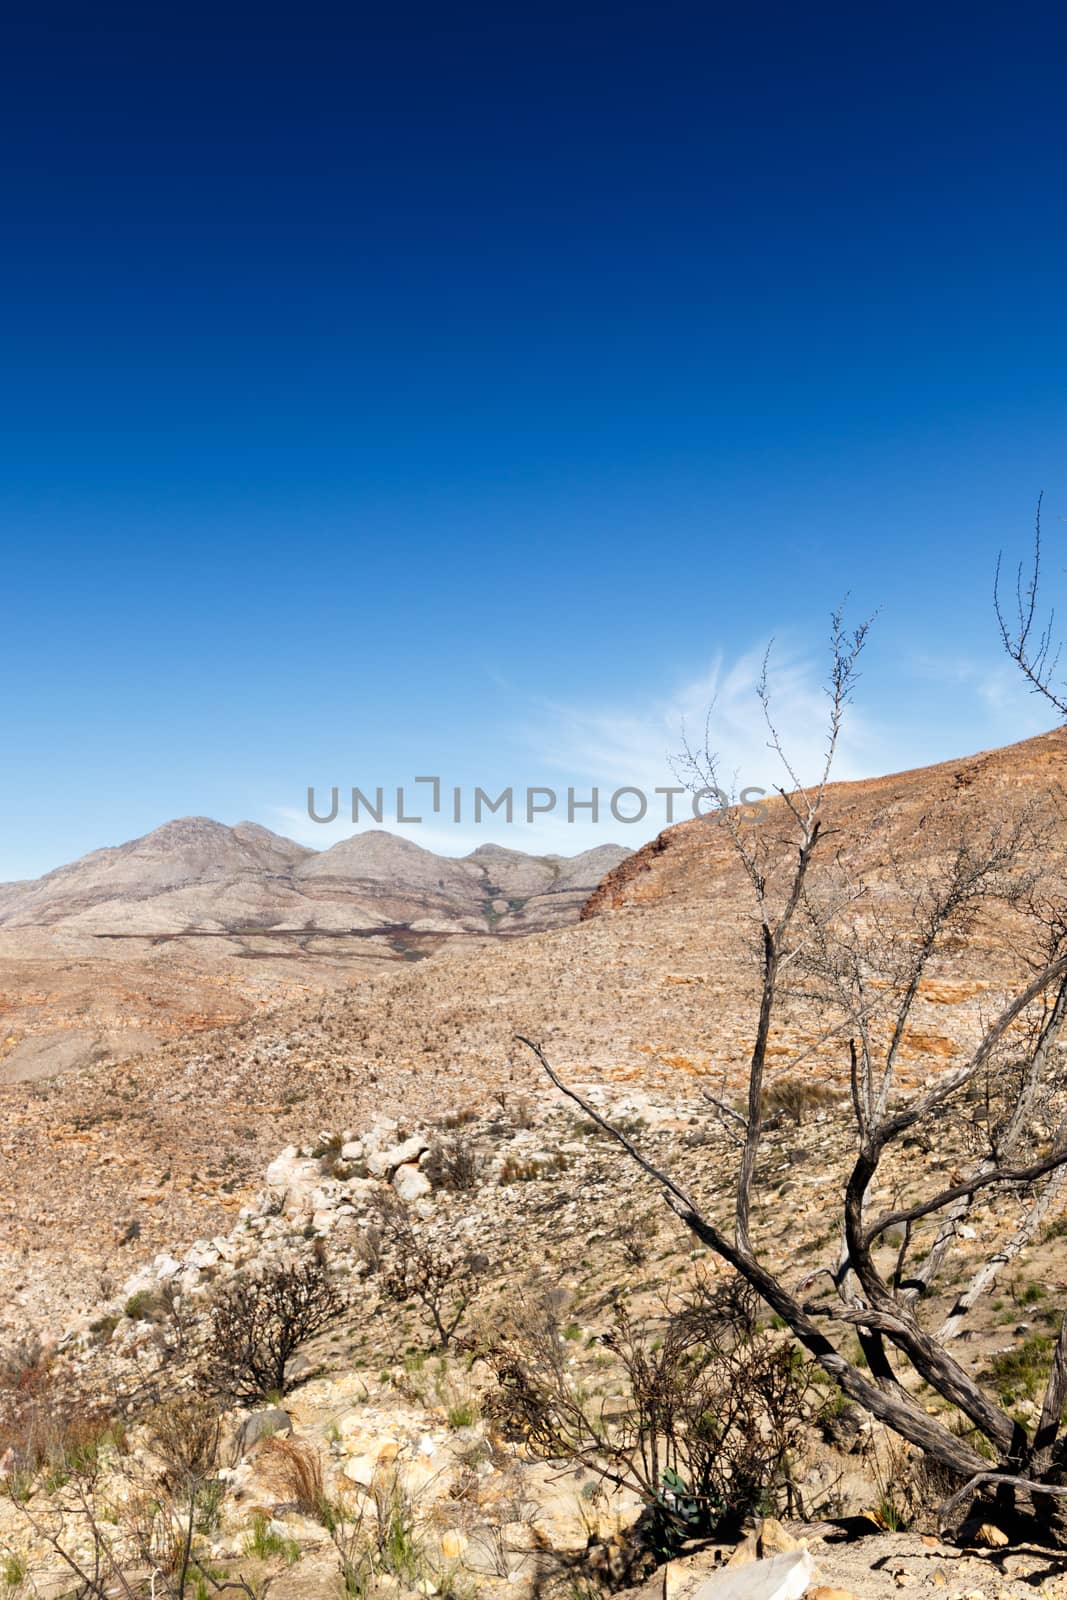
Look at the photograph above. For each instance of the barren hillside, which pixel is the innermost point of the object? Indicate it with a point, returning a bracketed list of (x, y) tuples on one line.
[(198, 925), (651, 991)]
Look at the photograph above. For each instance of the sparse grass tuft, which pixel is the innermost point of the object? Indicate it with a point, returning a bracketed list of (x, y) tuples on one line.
[(265, 1542)]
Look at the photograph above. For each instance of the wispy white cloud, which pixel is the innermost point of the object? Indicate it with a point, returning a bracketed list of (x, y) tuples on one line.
[(641, 745), (931, 709), (582, 747), (996, 695)]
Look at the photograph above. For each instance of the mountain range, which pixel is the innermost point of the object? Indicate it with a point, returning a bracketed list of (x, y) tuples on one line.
[(198, 924), (194, 875)]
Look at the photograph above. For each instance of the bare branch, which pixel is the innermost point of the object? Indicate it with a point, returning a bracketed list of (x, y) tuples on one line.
[(1035, 657)]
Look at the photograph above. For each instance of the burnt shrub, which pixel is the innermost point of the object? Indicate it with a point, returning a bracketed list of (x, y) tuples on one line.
[(427, 1267), (706, 1410), (258, 1323), (452, 1164)]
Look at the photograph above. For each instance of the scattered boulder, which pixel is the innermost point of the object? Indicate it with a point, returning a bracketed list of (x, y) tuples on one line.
[(985, 1533), (383, 1163), (411, 1183), (782, 1577), (261, 1425), (768, 1539)]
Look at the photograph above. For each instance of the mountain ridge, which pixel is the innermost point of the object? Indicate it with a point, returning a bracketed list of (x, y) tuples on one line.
[(183, 867), (196, 924)]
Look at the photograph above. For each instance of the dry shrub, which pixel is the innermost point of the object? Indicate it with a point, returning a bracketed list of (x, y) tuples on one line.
[(428, 1267), (45, 1428), (368, 1248), (292, 1470), (796, 1097), (185, 1433), (706, 1410), (156, 1530), (458, 1119), (24, 1365), (452, 1164), (522, 1115), (635, 1235), (522, 1169)]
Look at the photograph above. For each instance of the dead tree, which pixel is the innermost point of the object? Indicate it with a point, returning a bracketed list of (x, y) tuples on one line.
[(818, 931), (426, 1267), (1028, 639)]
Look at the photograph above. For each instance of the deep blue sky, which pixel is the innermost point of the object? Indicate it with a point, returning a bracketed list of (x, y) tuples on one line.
[(414, 389)]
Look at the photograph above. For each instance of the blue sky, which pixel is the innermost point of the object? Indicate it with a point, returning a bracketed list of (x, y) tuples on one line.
[(473, 390)]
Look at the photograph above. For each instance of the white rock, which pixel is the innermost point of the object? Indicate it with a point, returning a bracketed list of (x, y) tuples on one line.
[(202, 1255), (359, 1189), (383, 1163), (382, 1133), (411, 1184), (144, 1279), (325, 1196), (359, 1469), (353, 1150), (293, 1176), (783, 1577)]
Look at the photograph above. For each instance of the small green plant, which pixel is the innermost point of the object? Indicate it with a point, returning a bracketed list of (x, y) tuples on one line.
[(209, 1498), (891, 1515), (399, 1548), (13, 1573), (265, 1542), (141, 1306), (1021, 1370)]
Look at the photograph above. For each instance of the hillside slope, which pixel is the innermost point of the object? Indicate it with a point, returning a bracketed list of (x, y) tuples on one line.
[(197, 925), (652, 991)]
